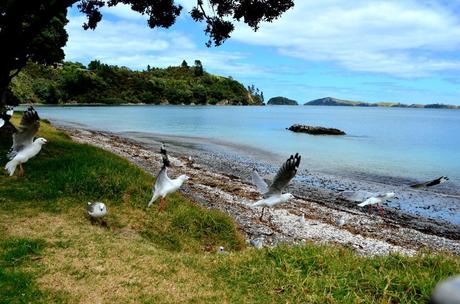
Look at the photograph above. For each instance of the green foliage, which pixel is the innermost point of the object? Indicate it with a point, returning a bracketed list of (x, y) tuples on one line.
[(102, 83), (66, 174), (328, 274)]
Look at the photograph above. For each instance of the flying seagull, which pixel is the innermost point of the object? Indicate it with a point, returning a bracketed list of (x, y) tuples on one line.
[(377, 200), (163, 184), (431, 183), (272, 195), (24, 146), (5, 117), (96, 209)]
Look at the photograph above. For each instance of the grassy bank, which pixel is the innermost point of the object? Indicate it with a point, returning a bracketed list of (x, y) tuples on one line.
[(50, 251)]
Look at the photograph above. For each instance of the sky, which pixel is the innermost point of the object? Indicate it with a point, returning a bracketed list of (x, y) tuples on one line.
[(404, 51)]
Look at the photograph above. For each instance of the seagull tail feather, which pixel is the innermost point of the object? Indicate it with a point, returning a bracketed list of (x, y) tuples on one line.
[(259, 203), (154, 198), (11, 167), (365, 203)]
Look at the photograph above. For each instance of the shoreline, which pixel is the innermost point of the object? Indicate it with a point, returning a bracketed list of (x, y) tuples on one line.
[(223, 183)]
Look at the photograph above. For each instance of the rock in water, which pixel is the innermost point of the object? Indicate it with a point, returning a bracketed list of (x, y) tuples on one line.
[(315, 130)]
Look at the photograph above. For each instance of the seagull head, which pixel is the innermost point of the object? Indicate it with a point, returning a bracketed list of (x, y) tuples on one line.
[(184, 178), (390, 195), (286, 196), (41, 141)]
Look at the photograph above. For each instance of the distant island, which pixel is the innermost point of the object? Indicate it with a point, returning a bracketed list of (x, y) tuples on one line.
[(99, 83), (330, 101), (277, 101)]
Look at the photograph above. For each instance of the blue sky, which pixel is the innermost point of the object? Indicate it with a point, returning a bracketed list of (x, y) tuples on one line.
[(400, 50)]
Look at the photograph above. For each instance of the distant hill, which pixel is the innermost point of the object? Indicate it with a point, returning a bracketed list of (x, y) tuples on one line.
[(277, 101), (99, 83), (331, 101)]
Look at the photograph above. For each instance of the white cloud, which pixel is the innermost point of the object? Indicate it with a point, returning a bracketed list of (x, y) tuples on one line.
[(123, 11), (135, 45), (400, 38)]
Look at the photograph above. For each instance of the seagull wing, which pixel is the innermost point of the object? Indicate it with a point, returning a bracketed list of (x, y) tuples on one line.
[(90, 208), (162, 180), (261, 185), (163, 152), (284, 175), (30, 123), (357, 196)]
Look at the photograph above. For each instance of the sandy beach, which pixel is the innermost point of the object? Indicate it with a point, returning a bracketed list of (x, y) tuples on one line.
[(224, 183)]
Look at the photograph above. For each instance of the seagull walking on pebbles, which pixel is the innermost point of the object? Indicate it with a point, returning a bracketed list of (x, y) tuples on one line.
[(24, 146), (163, 184), (431, 183), (272, 195), (377, 200)]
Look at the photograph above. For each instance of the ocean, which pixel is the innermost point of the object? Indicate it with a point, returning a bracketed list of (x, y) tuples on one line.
[(400, 143)]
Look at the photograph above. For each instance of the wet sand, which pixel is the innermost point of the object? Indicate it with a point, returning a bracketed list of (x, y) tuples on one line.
[(220, 179)]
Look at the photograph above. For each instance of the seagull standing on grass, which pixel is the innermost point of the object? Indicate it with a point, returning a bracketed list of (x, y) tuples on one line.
[(377, 200), (24, 146), (272, 195), (163, 184), (96, 209)]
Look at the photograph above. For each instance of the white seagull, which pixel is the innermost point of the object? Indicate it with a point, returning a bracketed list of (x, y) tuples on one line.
[(431, 183), (163, 184), (377, 200), (96, 209), (24, 146), (272, 195)]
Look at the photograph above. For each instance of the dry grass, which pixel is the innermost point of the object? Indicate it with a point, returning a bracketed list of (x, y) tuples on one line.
[(50, 252)]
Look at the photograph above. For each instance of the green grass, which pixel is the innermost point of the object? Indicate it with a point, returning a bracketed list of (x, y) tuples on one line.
[(50, 252)]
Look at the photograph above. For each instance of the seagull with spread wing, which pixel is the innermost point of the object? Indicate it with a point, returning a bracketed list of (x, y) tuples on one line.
[(24, 146), (272, 195), (163, 184)]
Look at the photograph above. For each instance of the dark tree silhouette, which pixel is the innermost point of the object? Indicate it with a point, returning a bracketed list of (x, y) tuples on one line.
[(34, 30)]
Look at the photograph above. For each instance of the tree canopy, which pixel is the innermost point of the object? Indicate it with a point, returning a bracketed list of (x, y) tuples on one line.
[(34, 30), (101, 83)]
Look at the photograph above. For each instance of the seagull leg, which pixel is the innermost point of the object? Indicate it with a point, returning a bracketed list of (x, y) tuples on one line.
[(162, 204), (21, 170), (382, 212), (369, 209), (262, 214)]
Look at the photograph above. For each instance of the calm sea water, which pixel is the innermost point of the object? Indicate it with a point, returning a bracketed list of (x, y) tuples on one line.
[(392, 142)]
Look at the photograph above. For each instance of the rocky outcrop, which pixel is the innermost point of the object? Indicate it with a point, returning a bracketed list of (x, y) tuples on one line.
[(315, 130), (277, 101)]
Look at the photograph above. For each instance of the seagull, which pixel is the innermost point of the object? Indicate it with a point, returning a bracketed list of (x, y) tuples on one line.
[(447, 291), (96, 209), (272, 195), (431, 183), (5, 117), (163, 184), (24, 146), (377, 199)]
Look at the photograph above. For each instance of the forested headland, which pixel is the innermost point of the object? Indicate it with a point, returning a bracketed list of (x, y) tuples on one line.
[(99, 83)]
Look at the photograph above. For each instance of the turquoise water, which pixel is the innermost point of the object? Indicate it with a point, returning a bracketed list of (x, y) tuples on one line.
[(393, 142)]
